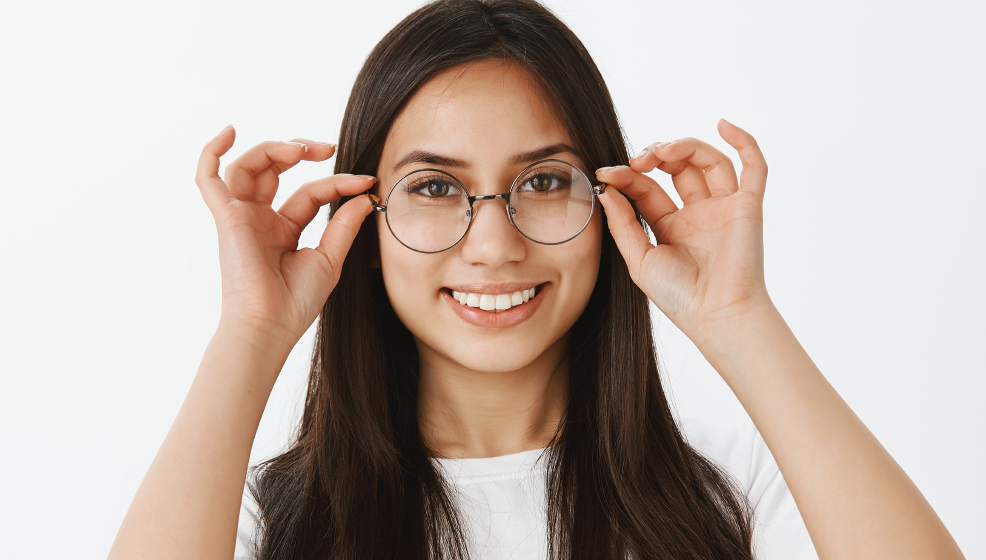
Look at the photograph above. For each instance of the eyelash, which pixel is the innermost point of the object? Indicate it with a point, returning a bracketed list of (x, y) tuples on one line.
[(562, 181), (419, 186)]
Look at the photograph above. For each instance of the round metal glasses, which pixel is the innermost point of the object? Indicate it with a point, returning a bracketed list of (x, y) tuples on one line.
[(550, 202)]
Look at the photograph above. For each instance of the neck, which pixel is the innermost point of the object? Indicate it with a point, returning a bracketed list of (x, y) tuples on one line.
[(464, 413)]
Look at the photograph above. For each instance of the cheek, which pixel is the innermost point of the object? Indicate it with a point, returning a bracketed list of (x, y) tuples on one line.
[(594, 236), (409, 277), (581, 263), (396, 263), (413, 282)]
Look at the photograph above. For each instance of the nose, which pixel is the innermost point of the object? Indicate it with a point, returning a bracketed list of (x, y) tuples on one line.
[(492, 238)]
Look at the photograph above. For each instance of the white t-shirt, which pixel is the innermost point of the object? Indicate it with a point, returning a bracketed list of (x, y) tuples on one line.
[(502, 499)]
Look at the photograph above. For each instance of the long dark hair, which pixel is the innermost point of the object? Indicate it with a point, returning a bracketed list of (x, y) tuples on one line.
[(358, 483)]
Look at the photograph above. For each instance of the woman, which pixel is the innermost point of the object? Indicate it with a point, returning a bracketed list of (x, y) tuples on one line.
[(453, 333)]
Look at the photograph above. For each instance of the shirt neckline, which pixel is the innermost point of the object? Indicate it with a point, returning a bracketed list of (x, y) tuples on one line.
[(505, 466)]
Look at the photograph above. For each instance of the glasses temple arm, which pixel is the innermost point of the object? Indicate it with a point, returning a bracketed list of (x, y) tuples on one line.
[(375, 201)]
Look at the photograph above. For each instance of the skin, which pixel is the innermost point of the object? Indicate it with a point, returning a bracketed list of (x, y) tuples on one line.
[(478, 400), (705, 273)]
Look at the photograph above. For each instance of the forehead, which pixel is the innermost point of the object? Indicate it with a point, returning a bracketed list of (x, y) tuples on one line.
[(483, 112)]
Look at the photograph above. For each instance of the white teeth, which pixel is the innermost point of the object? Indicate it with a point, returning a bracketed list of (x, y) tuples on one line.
[(487, 302), (494, 302)]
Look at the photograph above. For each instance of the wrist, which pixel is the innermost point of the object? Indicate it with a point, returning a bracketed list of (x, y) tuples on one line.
[(255, 353), (261, 336), (739, 336), (726, 321)]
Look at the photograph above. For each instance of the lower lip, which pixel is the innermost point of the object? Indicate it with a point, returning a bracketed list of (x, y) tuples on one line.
[(499, 319)]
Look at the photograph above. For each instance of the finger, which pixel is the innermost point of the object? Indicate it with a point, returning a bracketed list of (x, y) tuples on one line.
[(645, 160), (268, 179), (302, 206), (688, 180), (649, 198), (213, 189), (242, 174), (754, 175), (629, 235), (720, 175), (317, 151), (339, 234)]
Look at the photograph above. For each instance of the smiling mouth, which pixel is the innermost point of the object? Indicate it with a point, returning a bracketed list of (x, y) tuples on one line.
[(495, 302)]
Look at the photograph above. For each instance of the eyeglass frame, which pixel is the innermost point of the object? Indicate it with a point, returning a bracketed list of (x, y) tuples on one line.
[(595, 190)]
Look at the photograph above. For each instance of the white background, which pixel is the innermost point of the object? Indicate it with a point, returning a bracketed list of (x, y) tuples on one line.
[(870, 115)]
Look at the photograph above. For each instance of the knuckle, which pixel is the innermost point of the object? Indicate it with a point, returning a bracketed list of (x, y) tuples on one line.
[(312, 199), (673, 168), (756, 163), (268, 149), (716, 162)]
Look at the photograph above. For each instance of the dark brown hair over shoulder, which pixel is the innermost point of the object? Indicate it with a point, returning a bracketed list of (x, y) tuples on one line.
[(357, 482)]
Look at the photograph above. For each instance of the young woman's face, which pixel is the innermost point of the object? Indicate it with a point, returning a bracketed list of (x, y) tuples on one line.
[(480, 118)]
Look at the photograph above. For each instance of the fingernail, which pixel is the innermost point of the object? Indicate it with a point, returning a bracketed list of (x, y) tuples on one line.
[(223, 131), (604, 169), (326, 144), (369, 178), (663, 145), (643, 153), (299, 144)]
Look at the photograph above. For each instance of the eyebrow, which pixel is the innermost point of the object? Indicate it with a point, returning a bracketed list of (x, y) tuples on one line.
[(431, 158)]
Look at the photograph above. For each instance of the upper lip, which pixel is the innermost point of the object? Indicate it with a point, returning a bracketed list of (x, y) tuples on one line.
[(497, 288)]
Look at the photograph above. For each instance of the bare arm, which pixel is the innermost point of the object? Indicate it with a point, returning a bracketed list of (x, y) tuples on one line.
[(706, 274), (855, 499), (187, 505)]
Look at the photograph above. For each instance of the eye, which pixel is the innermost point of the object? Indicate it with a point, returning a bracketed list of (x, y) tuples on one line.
[(545, 182), (433, 187)]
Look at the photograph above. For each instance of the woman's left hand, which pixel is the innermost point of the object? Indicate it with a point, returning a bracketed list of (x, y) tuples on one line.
[(707, 266)]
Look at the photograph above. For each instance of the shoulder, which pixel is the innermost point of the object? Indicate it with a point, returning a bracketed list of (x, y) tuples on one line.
[(738, 448)]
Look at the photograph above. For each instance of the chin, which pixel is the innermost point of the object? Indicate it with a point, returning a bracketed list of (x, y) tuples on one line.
[(495, 361)]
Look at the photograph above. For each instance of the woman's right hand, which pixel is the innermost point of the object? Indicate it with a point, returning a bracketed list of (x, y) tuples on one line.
[(272, 289)]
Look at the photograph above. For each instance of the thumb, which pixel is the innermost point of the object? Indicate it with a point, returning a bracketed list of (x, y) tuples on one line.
[(342, 229), (628, 233)]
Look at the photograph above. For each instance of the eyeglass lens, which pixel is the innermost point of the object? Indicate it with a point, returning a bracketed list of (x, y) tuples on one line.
[(551, 202)]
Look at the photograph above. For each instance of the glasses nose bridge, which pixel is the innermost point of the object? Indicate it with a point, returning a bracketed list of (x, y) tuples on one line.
[(502, 196)]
